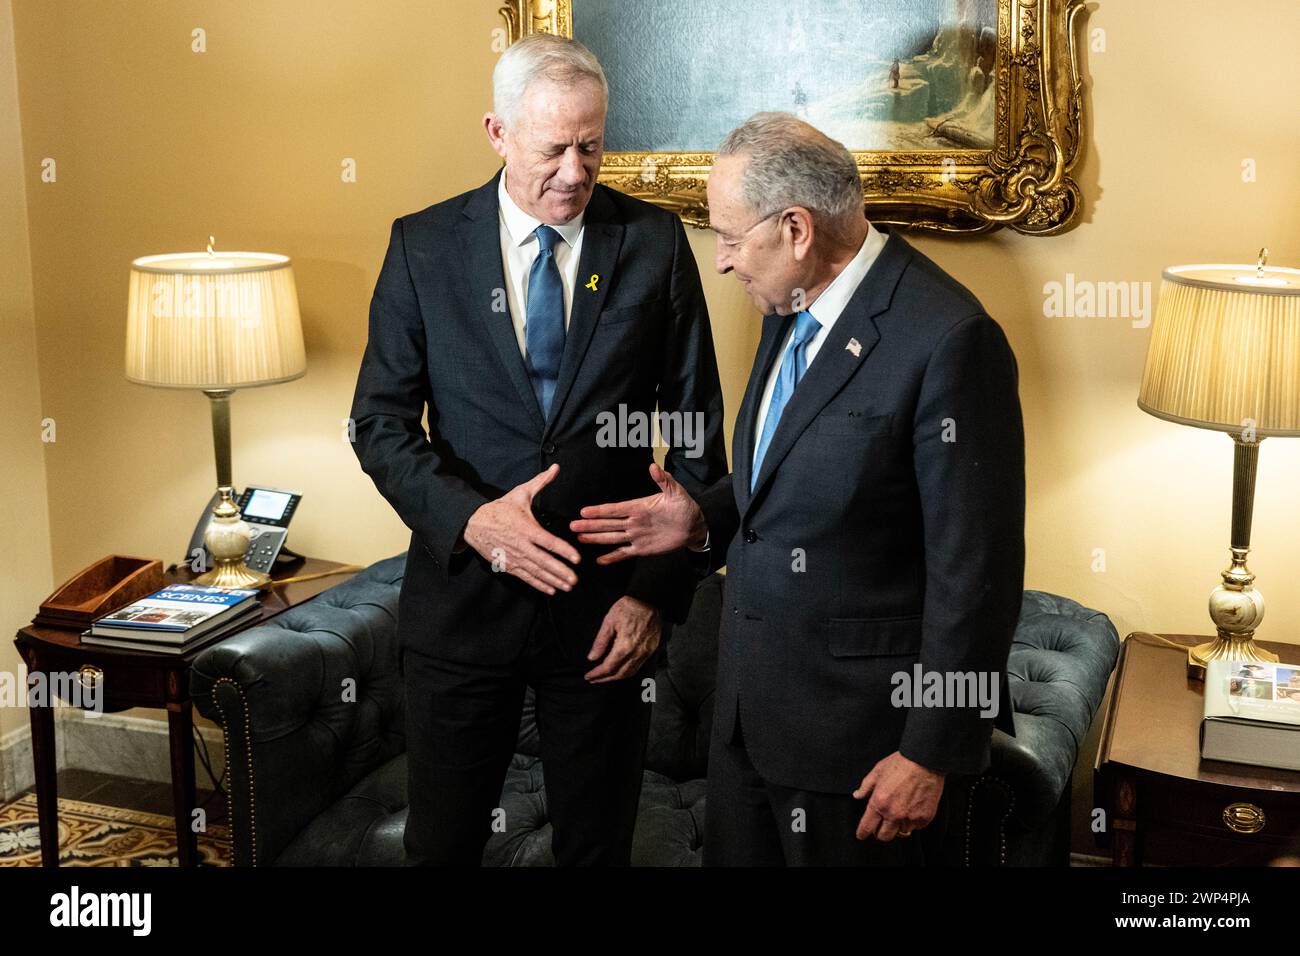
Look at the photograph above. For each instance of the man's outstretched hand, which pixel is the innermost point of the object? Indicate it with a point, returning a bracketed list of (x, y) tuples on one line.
[(656, 524), (505, 533)]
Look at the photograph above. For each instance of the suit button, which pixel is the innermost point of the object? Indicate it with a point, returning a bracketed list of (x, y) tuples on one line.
[(735, 612), (751, 535), (549, 448)]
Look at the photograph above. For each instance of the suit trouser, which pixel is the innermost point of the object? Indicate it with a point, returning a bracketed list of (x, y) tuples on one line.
[(750, 821), (462, 728)]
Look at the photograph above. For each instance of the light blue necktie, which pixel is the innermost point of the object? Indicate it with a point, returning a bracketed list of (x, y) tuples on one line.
[(544, 325), (792, 368)]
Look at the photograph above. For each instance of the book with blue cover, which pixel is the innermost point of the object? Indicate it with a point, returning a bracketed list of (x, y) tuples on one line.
[(177, 614)]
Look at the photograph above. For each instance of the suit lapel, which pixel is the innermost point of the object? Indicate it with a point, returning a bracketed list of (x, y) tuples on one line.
[(480, 238), (602, 237), (835, 362)]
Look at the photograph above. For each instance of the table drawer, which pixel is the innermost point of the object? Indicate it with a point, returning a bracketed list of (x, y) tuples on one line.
[(123, 685), (1236, 814)]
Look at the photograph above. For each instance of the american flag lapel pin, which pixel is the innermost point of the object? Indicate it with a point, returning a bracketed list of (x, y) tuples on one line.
[(855, 347)]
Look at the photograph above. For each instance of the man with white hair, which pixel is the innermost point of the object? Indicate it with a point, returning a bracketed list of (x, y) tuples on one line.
[(873, 526), (521, 315)]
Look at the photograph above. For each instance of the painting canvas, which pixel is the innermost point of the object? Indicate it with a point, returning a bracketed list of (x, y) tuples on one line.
[(964, 115), (894, 74)]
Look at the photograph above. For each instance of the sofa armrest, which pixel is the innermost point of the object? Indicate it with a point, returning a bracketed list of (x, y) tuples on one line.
[(309, 703)]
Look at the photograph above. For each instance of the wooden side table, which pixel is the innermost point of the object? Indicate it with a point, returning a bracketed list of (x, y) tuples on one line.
[(140, 679), (1163, 803)]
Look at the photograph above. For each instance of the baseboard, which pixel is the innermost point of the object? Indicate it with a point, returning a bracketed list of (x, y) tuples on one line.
[(16, 774), (117, 744)]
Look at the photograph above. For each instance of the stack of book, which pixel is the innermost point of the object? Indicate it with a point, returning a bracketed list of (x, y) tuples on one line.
[(1252, 714), (176, 619)]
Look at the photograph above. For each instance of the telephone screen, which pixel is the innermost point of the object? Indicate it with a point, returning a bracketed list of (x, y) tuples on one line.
[(267, 505)]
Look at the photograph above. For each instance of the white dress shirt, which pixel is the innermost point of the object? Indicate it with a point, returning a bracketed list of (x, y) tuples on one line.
[(518, 251), (826, 309)]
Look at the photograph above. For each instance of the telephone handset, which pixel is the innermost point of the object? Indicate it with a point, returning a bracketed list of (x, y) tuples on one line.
[(267, 512)]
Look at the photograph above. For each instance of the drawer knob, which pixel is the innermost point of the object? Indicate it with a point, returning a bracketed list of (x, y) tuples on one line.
[(89, 675), (1243, 817)]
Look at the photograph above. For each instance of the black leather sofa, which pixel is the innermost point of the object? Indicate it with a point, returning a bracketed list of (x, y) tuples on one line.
[(311, 707)]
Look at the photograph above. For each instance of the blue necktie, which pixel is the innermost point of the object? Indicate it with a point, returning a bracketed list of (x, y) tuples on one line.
[(544, 325), (792, 368)]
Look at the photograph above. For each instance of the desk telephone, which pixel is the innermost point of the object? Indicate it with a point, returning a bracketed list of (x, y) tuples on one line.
[(267, 512)]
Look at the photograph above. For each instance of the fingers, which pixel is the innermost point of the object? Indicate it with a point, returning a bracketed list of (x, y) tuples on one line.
[(544, 539), (630, 665), (614, 667), (868, 784), (869, 823), (552, 570), (888, 830), (661, 478), (611, 509), (532, 581), (539, 481), (598, 525), (603, 639), (614, 557), (605, 537)]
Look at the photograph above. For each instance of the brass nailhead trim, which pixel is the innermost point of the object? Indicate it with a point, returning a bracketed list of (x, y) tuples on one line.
[(248, 750), (1002, 824)]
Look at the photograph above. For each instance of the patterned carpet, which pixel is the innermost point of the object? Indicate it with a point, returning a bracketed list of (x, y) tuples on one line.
[(95, 835)]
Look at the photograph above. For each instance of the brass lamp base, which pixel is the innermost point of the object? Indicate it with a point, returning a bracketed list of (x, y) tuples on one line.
[(1236, 608), (227, 539), (1226, 648)]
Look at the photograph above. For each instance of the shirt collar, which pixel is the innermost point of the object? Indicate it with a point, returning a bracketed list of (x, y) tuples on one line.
[(828, 306), (521, 225)]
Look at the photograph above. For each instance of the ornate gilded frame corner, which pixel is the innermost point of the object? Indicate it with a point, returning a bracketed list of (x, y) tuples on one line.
[(1023, 182)]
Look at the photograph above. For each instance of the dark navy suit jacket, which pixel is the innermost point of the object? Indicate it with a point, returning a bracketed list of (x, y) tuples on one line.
[(871, 541), (442, 342)]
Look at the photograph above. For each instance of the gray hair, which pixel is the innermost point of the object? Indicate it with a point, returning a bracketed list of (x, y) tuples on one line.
[(792, 163), (541, 55)]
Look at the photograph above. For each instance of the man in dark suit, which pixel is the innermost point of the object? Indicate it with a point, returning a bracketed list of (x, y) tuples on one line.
[(534, 318), (873, 524)]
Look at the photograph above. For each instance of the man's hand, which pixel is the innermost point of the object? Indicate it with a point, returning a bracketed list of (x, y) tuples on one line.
[(633, 628), (505, 533), (904, 796), (656, 524)]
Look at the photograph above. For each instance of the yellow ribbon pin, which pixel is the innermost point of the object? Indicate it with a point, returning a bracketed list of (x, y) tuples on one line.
[(592, 284)]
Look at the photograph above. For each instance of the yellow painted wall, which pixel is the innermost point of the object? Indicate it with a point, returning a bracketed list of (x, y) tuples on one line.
[(25, 567), (157, 147)]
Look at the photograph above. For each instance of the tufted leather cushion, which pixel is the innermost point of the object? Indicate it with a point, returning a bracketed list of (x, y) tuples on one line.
[(1059, 665), (294, 743)]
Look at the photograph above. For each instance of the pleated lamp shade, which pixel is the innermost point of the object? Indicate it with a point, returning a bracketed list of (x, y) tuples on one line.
[(1225, 349), (221, 320)]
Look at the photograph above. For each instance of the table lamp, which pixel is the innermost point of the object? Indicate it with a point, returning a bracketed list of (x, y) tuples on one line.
[(216, 322), (1225, 355)]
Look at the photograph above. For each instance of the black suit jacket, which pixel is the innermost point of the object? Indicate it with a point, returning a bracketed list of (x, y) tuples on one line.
[(441, 339), (871, 542)]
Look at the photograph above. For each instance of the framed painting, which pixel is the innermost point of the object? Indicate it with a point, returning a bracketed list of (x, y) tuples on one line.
[(964, 115)]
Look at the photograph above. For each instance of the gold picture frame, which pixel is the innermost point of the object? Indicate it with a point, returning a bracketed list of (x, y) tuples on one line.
[(1023, 182)]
